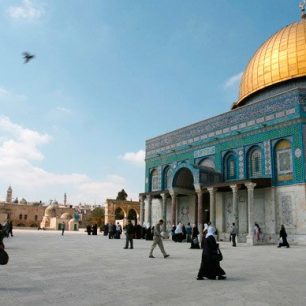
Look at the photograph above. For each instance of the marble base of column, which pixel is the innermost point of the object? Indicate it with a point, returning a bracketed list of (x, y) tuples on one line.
[(250, 240)]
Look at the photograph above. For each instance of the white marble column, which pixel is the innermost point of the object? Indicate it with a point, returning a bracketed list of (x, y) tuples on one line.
[(173, 208), (235, 206), (273, 211), (212, 208), (164, 210), (250, 187), (149, 199), (142, 209), (199, 192)]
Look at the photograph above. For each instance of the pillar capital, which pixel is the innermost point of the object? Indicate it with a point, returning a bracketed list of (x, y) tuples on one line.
[(141, 198), (198, 188), (234, 187), (211, 190), (148, 197), (164, 196), (250, 186), (172, 193)]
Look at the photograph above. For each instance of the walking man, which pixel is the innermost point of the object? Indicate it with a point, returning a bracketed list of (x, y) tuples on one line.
[(129, 232), (63, 228), (157, 240), (233, 234)]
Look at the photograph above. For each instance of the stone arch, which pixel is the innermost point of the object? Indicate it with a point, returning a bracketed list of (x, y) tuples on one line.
[(195, 172), (132, 215), (112, 205), (119, 213), (183, 178)]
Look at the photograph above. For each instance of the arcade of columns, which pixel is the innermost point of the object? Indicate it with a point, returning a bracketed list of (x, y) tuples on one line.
[(199, 216)]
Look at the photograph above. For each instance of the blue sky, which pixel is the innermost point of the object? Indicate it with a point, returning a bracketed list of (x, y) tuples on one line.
[(107, 76)]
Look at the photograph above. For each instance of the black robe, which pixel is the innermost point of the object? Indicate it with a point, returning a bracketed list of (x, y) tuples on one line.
[(283, 235), (210, 267)]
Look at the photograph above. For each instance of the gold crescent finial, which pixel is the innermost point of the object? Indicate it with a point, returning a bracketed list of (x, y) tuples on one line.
[(302, 7)]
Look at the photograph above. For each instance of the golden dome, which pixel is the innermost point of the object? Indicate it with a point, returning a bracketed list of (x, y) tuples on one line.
[(282, 57)]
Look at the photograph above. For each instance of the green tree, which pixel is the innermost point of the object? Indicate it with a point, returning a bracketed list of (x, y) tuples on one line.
[(97, 216), (122, 195)]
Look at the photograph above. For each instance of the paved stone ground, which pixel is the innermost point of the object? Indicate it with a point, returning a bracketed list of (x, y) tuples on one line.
[(48, 269)]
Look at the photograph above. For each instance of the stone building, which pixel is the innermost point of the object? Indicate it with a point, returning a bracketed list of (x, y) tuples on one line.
[(25, 214), (55, 215), (116, 210), (247, 165)]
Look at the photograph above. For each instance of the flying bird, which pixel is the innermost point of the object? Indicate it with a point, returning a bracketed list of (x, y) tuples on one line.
[(27, 57)]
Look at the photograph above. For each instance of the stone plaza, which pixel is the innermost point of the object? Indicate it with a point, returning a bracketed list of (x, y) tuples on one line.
[(46, 268)]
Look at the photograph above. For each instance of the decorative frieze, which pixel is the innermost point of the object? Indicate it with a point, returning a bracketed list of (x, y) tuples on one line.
[(204, 152), (260, 112), (267, 152), (241, 163)]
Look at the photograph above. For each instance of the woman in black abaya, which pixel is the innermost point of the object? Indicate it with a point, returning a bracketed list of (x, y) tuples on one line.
[(210, 266)]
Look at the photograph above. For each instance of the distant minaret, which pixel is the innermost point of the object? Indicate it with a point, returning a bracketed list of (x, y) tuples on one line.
[(9, 195), (65, 199)]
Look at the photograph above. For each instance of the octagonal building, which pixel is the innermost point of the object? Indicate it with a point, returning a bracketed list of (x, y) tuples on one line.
[(247, 165)]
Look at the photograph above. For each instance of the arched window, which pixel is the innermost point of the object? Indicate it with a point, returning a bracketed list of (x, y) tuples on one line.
[(154, 180), (283, 154), (255, 163), (167, 178), (230, 171)]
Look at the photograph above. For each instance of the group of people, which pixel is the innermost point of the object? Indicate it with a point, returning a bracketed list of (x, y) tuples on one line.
[(258, 235), (114, 231), (181, 233), (92, 229)]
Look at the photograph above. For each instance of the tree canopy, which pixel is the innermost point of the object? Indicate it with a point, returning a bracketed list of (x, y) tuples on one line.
[(122, 195), (97, 216)]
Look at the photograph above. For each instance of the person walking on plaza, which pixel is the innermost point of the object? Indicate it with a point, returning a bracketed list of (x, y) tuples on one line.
[(129, 232), (63, 228), (178, 233), (233, 234), (10, 228), (88, 229), (118, 231), (195, 244), (157, 239), (188, 232), (257, 231), (210, 263), (283, 237)]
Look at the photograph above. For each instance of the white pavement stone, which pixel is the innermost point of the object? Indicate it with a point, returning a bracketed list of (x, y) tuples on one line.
[(48, 269)]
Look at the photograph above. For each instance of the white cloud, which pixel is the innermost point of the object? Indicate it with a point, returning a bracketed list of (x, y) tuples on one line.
[(25, 11), (7, 96), (136, 158), (233, 81), (24, 143), (63, 110), (19, 148)]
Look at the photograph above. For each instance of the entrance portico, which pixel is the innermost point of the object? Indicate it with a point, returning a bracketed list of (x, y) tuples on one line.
[(226, 203)]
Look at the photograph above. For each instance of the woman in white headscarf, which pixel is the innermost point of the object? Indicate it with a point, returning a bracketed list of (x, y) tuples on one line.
[(210, 265)]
